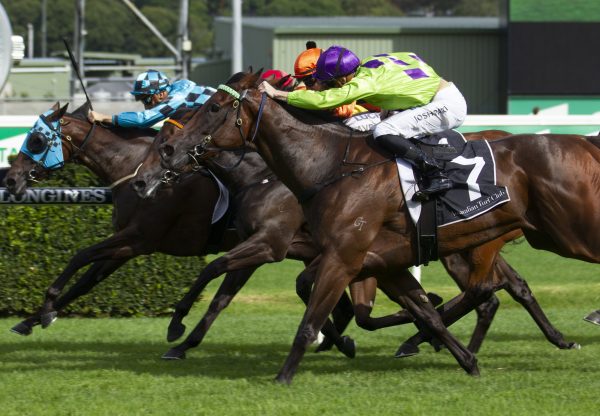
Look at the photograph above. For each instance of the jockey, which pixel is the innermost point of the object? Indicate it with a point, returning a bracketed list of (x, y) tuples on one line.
[(391, 81), (304, 70), (275, 76), (160, 98)]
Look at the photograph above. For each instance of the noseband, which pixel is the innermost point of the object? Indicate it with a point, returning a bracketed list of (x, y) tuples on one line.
[(202, 148)]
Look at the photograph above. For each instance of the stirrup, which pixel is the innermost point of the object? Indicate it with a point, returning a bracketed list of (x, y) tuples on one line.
[(437, 186)]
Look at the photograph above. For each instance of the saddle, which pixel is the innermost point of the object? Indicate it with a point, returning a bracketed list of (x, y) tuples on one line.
[(471, 167)]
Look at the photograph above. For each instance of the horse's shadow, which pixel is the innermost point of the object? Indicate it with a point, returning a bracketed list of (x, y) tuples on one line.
[(217, 360), (234, 360)]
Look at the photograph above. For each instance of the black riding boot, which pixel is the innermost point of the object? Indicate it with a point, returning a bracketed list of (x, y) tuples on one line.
[(431, 170)]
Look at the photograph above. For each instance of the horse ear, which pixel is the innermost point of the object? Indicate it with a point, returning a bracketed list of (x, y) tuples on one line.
[(56, 106), (64, 109), (250, 69), (255, 78), (58, 112)]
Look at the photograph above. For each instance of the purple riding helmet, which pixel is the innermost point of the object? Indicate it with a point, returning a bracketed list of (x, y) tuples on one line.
[(336, 61)]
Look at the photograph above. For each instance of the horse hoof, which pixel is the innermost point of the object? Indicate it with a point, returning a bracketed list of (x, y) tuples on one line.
[(435, 299), (48, 318), (174, 354), (348, 347), (22, 329), (474, 372), (593, 318), (574, 346), (326, 345), (406, 350), (176, 331), (283, 380)]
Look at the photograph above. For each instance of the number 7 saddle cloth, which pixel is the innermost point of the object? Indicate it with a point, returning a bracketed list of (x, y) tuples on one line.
[(471, 167)]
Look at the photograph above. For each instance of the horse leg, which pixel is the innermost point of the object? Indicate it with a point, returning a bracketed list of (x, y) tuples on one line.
[(363, 297), (459, 268), (252, 253), (89, 280), (342, 315), (116, 246), (94, 275), (333, 276), (517, 287), (411, 294), (472, 271), (232, 283), (450, 312)]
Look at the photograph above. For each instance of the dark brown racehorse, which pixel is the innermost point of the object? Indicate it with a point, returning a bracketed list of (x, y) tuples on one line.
[(268, 232), (542, 174), (177, 223)]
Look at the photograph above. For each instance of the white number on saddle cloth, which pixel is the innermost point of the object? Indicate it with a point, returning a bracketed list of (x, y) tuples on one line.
[(478, 164)]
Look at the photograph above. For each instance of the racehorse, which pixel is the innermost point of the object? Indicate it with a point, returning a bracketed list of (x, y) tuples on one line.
[(542, 172), (268, 232), (178, 222)]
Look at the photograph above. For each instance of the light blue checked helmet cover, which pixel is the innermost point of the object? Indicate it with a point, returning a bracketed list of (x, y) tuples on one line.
[(150, 82)]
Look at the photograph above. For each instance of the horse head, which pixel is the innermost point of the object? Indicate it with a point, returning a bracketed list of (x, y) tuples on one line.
[(223, 123), (152, 175), (42, 151)]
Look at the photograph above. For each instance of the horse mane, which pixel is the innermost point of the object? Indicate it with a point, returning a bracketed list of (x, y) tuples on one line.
[(124, 132), (184, 113), (323, 118)]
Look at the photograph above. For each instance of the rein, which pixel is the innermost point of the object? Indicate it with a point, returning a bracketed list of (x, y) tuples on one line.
[(363, 167), (308, 193), (202, 148)]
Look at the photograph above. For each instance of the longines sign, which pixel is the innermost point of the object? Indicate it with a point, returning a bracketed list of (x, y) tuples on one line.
[(66, 196)]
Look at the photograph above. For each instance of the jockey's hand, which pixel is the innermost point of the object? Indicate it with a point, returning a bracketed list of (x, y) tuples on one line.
[(272, 91), (94, 116)]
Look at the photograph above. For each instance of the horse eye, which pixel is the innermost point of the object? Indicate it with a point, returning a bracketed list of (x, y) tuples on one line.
[(215, 108), (37, 143)]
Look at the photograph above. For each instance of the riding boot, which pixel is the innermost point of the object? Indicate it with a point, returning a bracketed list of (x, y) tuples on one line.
[(437, 179)]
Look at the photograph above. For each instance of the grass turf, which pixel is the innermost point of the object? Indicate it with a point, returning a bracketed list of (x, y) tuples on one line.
[(112, 366)]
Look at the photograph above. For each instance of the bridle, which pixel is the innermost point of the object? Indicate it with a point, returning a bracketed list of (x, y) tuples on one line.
[(203, 147), (51, 133)]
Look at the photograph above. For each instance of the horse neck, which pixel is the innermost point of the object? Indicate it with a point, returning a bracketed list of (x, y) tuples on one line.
[(251, 170), (108, 155), (302, 157)]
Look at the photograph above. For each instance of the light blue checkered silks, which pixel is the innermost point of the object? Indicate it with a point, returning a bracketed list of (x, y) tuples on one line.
[(181, 93), (50, 154)]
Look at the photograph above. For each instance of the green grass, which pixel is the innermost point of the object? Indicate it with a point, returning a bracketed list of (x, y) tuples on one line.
[(112, 366)]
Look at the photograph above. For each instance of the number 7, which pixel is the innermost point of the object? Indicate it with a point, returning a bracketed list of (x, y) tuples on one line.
[(473, 186)]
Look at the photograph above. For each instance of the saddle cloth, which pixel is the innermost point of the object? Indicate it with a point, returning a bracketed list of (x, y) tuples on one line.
[(472, 169)]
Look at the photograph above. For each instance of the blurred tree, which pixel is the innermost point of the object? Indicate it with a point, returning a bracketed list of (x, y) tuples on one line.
[(371, 8), (112, 27), (478, 8)]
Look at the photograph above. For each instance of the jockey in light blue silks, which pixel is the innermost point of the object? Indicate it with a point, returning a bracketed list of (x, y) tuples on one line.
[(160, 98)]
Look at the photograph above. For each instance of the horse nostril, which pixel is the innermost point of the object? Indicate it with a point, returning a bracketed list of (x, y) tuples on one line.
[(10, 182), (167, 150)]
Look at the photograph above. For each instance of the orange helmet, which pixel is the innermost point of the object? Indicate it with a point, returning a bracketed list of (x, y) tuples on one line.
[(306, 62)]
